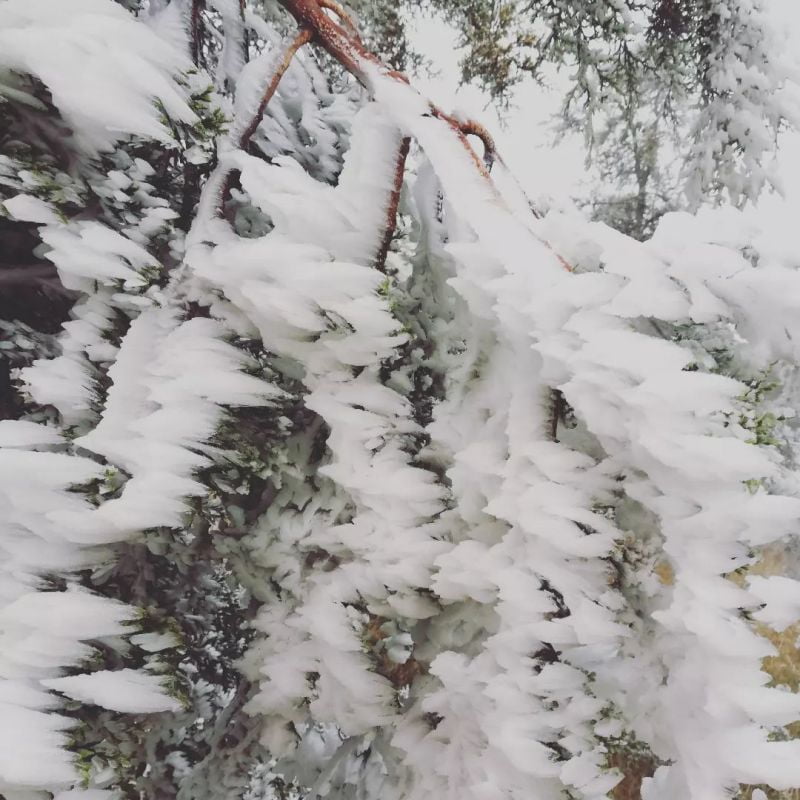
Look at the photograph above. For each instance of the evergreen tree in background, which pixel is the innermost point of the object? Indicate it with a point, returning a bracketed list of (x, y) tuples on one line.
[(351, 477), (679, 101)]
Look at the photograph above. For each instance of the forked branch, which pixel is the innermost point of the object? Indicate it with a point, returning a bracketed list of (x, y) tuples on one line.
[(338, 35), (350, 52)]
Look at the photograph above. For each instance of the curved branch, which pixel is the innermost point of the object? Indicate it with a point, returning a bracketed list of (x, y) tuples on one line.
[(471, 127)]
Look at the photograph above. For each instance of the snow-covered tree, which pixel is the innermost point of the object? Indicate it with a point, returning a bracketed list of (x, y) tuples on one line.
[(351, 477)]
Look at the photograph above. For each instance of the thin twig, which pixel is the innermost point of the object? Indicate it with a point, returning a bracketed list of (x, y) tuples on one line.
[(303, 37)]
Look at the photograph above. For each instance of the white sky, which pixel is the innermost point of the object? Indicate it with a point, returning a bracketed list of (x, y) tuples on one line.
[(523, 138), (526, 140)]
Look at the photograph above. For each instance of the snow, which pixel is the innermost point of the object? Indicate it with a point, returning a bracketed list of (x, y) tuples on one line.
[(21, 433), (25, 208), (95, 252), (102, 67), (126, 690), (73, 613), (781, 597), (32, 748)]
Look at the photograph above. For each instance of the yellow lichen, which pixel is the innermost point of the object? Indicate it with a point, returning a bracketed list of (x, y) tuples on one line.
[(664, 572), (783, 667)]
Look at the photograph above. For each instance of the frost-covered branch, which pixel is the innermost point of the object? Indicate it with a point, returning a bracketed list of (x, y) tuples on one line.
[(394, 201)]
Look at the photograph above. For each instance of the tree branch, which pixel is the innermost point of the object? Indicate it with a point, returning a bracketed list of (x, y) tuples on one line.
[(22, 274), (343, 16), (471, 127), (303, 37), (394, 200), (39, 274), (351, 54)]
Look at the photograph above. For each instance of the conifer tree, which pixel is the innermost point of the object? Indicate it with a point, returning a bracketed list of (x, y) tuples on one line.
[(679, 101), (350, 476)]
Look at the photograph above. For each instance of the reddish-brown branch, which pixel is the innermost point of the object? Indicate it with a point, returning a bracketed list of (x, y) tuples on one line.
[(470, 127), (303, 37), (350, 52), (331, 35), (343, 16), (394, 200)]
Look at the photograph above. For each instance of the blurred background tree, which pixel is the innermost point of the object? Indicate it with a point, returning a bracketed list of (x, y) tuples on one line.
[(679, 102)]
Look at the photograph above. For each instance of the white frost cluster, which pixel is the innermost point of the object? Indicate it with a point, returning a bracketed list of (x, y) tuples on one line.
[(518, 551), (750, 89), (103, 69)]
